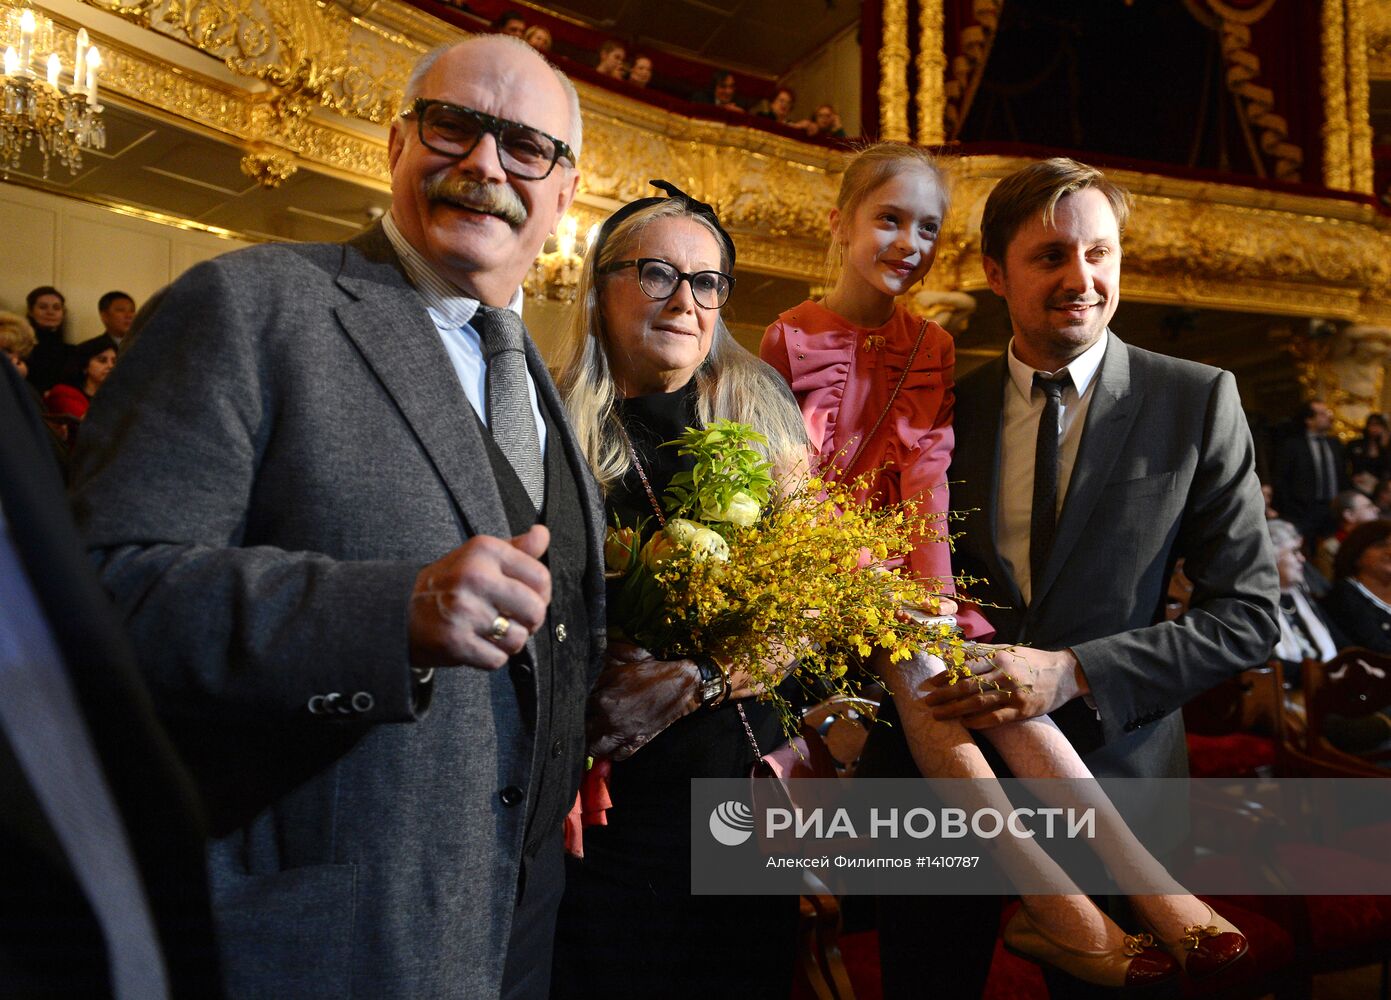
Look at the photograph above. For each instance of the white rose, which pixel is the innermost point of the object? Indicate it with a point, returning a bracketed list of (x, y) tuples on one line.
[(681, 531), (708, 545), (742, 510)]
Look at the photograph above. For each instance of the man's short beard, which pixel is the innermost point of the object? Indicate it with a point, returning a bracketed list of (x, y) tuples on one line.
[(462, 191)]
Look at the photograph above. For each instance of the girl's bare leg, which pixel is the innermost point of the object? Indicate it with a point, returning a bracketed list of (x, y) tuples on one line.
[(945, 749), (1037, 748)]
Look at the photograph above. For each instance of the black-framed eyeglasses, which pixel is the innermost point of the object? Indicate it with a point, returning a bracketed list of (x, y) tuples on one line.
[(659, 280), (455, 131)]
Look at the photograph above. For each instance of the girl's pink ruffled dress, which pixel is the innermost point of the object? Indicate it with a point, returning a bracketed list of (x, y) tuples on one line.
[(842, 376)]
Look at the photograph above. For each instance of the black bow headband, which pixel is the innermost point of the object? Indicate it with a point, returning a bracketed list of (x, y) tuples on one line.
[(673, 193)]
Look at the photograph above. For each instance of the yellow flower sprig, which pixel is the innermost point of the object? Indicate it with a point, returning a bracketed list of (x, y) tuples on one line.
[(812, 571)]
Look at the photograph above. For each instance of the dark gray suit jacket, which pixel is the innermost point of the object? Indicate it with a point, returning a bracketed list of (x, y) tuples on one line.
[(1165, 469), (279, 453)]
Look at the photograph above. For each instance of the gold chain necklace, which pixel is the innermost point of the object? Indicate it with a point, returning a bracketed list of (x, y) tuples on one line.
[(642, 474)]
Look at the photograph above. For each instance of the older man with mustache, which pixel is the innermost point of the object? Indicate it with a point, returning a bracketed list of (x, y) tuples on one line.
[(359, 553)]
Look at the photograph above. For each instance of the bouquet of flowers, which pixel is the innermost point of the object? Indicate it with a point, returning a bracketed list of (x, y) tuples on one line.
[(757, 573)]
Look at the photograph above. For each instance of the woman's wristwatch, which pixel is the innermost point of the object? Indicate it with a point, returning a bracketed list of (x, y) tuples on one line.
[(714, 681)]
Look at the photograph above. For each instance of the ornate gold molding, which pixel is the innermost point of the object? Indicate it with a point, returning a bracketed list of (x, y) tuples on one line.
[(893, 72), (1359, 114), (1222, 246), (1213, 245), (932, 70), (1346, 369), (267, 167), (773, 194), (313, 53), (1337, 165)]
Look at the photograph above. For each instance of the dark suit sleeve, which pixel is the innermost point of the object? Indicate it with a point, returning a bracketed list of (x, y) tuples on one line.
[(1140, 675), (162, 482)]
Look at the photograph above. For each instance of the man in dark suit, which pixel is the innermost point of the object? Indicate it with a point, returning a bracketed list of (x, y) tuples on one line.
[(1310, 471), (1074, 529), (103, 888), (335, 494)]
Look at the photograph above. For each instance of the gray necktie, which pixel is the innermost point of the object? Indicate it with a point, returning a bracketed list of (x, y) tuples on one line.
[(510, 417)]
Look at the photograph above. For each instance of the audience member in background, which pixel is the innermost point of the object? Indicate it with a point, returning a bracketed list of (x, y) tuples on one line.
[(117, 311), (93, 361), (1371, 453), (1381, 496), (17, 340), (721, 92), (826, 122), (103, 890), (1360, 602), (1268, 493), (611, 57), (510, 22), (1305, 634), (1350, 508), (47, 314), (1309, 471), (538, 38), (1364, 482), (780, 107), (641, 73)]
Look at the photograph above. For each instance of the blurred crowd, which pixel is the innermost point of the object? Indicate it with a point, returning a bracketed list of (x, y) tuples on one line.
[(64, 377)]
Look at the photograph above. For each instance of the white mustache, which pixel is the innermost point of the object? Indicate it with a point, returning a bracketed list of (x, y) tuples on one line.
[(465, 192)]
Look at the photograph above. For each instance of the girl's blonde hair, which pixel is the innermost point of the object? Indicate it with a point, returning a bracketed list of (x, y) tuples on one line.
[(731, 383), (871, 167)]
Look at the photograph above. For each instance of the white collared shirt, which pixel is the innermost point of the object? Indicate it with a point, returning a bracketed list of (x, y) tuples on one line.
[(1023, 405), (452, 311)]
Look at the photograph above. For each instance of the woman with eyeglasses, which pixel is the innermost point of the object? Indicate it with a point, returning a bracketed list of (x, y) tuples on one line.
[(649, 355)]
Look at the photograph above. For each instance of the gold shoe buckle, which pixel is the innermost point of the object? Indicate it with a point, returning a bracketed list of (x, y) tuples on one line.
[(1134, 944), (1193, 935)]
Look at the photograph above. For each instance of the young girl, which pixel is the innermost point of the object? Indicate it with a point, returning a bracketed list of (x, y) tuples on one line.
[(874, 385)]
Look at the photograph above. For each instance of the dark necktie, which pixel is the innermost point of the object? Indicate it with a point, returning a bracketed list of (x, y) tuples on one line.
[(510, 417), (1044, 521), (1325, 479)]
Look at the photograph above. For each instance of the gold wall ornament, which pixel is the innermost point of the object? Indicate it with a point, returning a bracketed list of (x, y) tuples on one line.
[(1359, 114), (268, 168), (773, 193), (1345, 367), (303, 47), (968, 65), (893, 72), (1218, 246), (1337, 162), (932, 68), (949, 310)]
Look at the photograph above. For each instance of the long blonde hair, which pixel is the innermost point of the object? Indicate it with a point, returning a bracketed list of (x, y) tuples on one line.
[(731, 384)]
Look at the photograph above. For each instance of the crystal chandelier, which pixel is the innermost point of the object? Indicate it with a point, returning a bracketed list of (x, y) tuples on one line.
[(36, 105)]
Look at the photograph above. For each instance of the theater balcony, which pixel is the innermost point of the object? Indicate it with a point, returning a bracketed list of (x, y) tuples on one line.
[(1255, 136)]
